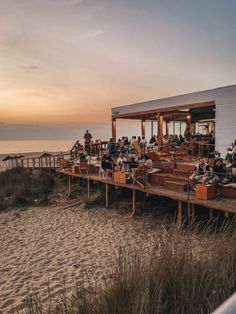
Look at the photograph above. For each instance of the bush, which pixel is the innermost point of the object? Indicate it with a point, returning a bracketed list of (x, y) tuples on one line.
[(21, 186)]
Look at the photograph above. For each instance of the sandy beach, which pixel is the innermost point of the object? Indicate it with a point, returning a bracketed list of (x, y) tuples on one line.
[(45, 245)]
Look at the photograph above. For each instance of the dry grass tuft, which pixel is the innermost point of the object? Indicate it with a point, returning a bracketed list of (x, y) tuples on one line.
[(189, 270), (22, 186)]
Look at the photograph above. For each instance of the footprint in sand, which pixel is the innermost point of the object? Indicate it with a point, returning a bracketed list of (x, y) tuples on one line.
[(7, 303)]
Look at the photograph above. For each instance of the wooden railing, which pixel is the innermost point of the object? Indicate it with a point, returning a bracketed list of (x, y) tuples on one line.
[(49, 162)]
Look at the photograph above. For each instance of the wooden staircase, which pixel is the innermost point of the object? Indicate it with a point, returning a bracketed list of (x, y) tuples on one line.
[(173, 179)]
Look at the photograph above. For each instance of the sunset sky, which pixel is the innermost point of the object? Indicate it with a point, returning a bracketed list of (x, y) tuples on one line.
[(67, 62)]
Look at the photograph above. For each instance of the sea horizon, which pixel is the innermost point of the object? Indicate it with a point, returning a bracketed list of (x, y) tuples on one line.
[(34, 146)]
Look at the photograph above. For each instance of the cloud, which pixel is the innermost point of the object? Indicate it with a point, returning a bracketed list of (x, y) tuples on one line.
[(63, 3), (29, 67), (95, 33)]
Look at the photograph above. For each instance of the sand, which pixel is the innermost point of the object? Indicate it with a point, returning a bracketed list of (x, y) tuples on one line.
[(45, 245)]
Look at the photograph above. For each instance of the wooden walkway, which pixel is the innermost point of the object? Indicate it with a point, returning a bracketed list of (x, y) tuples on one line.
[(222, 204), (49, 162)]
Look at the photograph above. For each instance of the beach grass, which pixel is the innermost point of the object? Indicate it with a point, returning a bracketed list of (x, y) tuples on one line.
[(187, 270), (20, 186)]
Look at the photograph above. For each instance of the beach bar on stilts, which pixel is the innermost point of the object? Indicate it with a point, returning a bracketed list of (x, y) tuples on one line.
[(206, 115), (206, 121)]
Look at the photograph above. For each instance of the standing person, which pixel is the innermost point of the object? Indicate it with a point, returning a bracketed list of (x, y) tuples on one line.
[(143, 143), (187, 133), (87, 141)]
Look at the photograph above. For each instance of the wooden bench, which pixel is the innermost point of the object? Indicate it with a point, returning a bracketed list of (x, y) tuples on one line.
[(175, 186), (228, 191), (183, 173)]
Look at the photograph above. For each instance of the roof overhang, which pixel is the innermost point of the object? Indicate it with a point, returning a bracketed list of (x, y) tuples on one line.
[(175, 113)]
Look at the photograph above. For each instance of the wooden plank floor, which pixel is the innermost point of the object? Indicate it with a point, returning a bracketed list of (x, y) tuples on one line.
[(219, 203)]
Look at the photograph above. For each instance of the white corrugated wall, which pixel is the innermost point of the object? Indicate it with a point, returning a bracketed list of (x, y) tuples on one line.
[(225, 130)]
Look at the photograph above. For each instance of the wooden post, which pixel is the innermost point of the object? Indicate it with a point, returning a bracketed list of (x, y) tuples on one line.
[(211, 214), (180, 213), (151, 128), (226, 214), (88, 188), (69, 186), (160, 130), (107, 203), (113, 126), (193, 211), (167, 127), (133, 202), (189, 210), (142, 128)]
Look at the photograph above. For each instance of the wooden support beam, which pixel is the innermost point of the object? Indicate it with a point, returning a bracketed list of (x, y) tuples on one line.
[(151, 128), (88, 188), (193, 211), (107, 202), (69, 186), (180, 213), (167, 127), (226, 214), (189, 210), (211, 216), (133, 202), (113, 129), (160, 130), (142, 128)]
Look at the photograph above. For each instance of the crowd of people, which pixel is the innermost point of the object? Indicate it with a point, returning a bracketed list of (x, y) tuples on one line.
[(128, 154)]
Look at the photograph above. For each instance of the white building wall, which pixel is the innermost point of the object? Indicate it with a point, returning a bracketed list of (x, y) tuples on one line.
[(225, 118), (225, 126)]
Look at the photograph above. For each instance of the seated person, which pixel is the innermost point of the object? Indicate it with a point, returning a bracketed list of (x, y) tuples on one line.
[(165, 140), (120, 161), (126, 141), (181, 138), (200, 174), (134, 143), (153, 139), (149, 164), (229, 154), (111, 146), (219, 172), (132, 163), (176, 140), (107, 162)]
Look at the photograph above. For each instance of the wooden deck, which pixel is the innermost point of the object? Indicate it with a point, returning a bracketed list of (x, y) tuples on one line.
[(225, 205)]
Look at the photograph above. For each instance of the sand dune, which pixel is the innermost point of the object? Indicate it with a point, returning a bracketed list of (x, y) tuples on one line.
[(45, 245)]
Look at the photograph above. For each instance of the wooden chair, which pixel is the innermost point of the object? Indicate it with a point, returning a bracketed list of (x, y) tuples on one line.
[(63, 163), (83, 167), (140, 176)]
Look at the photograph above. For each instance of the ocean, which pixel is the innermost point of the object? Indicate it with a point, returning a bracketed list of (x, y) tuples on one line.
[(16, 147)]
